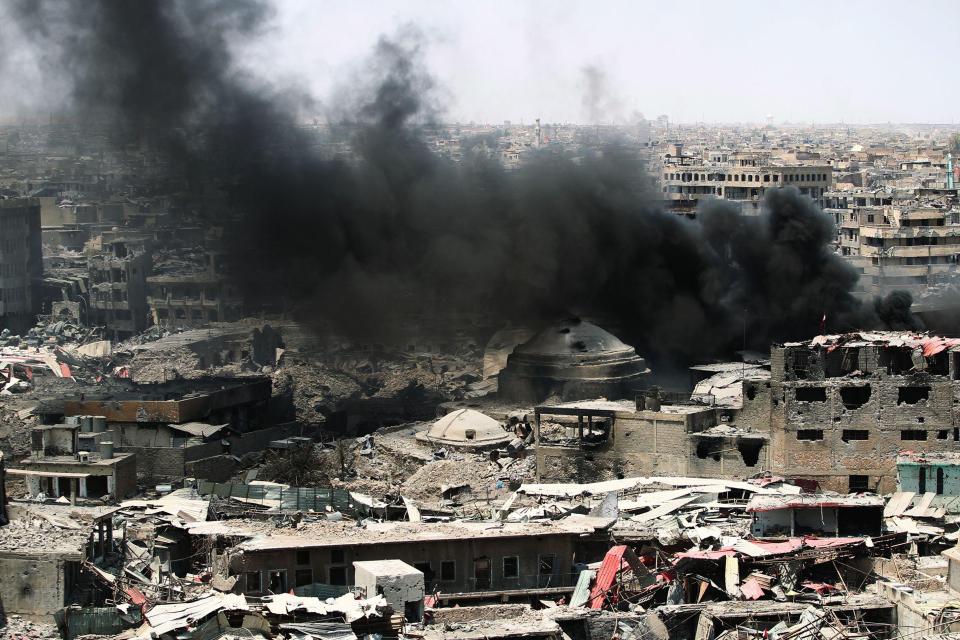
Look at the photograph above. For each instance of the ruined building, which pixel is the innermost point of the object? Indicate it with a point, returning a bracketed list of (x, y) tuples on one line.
[(742, 178), (843, 406), (836, 410), (118, 288), (193, 297), (572, 359), (21, 262)]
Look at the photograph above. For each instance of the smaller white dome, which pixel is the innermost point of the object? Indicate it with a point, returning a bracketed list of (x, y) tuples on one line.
[(468, 427)]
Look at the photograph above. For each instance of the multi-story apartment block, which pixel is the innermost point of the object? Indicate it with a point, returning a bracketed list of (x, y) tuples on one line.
[(118, 288), (21, 263), (194, 298), (895, 242), (742, 178)]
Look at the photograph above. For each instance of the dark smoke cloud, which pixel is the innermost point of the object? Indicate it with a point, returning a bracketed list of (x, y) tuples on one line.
[(397, 231)]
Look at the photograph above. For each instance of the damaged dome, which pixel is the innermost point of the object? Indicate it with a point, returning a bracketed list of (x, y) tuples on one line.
[(465, 427), (575, 360)]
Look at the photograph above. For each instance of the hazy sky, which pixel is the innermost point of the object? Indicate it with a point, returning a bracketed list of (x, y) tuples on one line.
[(856, 61)]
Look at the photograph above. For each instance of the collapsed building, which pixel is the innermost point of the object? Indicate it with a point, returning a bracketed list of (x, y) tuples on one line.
[(713, 436), (185, 294)]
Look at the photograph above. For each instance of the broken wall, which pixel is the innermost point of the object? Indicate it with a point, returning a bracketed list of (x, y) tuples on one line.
[(35, 584), (643, 443), (845, 429)]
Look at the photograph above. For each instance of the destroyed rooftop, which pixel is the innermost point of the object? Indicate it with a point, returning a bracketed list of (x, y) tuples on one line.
[(812, 501), (171, 390), (612, 406), (930, 344), (266, 535)]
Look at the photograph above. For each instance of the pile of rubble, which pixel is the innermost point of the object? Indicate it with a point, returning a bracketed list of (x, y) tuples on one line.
[(16, 627)]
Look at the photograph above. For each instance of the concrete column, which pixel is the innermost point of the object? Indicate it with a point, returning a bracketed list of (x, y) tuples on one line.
[(73, 490), (98, 544), (112, 485), (83, 487)]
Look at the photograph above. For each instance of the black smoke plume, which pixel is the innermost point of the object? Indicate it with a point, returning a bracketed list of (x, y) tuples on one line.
[(394, 231)]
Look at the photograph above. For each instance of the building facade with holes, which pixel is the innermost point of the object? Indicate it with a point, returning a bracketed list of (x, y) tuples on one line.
[(844, 407)]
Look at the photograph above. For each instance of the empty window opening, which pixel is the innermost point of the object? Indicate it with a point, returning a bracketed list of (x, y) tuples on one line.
[(810, 434), (303, 556), (547, 565), (811, 394), (942, 434), (303, 577), (940, 480), (97, 486), (859, 484), (751, 392), (801, 364), (448, 570), (855, 434), (939, 364), (338, 575), (841, 362), (855, 397), (912, 395), (913, 434), (709, 448), (253, 582), (511, 567), (278, 581), (481, 573), (922, 480), (749, 449), (897, 360)]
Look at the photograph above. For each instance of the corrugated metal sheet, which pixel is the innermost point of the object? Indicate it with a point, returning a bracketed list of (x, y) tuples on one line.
[(607, 575), (281, 498), (323, 630), (101, 621), (581, 593)]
